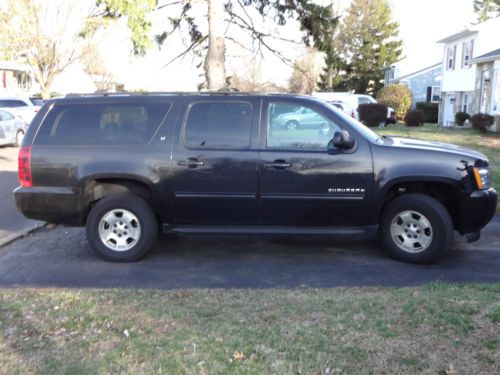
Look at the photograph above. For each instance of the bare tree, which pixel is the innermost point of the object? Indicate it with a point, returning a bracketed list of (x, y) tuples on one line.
[(315, 22), (94, 66), (306, 72), (47, 35)]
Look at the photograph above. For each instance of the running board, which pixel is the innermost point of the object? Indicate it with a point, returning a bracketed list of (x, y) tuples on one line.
[(272, 230)]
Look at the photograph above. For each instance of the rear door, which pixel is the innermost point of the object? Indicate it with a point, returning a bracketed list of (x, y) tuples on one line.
[(215, 162), (301, 184)]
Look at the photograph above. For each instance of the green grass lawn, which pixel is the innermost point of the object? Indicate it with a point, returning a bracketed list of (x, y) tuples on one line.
[(488, 144), (356, 330)]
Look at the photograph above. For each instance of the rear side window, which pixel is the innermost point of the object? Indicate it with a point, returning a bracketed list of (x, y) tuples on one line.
[(218, 125), (102, 124), (12, 103)]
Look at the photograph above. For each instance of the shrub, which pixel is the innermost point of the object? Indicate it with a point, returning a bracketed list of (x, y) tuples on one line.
[(430, 111), (482, 121), (372, 114), (414, 118), (461, 117), (396, 96)]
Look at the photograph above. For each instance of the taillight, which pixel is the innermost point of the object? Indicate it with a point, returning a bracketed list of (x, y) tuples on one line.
[(24, 166)]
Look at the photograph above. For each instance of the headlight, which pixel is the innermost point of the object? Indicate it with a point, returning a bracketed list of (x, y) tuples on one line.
[(483, 177)]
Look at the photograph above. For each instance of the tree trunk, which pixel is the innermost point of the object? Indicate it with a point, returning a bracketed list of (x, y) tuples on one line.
[(215, 71), (46, 85)]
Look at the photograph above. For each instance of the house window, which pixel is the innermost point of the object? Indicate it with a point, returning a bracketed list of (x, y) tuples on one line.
[(435, 94), (451, 52), (465, 103), (467, 50)]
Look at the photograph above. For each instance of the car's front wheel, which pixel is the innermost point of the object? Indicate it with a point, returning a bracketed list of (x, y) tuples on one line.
[(416, 228), (121, 228)]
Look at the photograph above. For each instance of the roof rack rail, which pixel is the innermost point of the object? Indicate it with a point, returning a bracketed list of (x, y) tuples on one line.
[(184, 93)]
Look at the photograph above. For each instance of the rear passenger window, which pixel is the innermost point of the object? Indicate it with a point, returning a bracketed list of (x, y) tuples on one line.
[(218, 125), (102, 124)]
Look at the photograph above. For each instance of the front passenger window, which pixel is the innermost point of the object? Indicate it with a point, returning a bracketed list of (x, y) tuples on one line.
[(293, 126)]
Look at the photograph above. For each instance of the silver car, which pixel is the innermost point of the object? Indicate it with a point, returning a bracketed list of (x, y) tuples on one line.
[(300, 118), (25, 108), (12, 128)]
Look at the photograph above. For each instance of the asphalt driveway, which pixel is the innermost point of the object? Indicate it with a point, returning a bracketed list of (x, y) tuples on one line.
[(61, 257), (11, 220)]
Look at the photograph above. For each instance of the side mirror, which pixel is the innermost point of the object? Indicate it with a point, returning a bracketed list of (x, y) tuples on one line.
[(341, 140)]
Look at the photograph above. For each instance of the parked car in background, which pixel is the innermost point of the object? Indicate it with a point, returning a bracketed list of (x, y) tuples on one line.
[(37, 101), (299, 117), (12, 128), (25, 108), (354, 100), (343, 106)]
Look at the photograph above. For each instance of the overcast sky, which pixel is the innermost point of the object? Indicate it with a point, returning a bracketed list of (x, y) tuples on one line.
[(422, 23)]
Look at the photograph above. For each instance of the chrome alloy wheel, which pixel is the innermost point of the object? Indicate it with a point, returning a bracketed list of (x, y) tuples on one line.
[(119, 230), (411, 231)]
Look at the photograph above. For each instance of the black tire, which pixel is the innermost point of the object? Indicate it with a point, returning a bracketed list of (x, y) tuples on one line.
[(147, 223), (292, 125), (440, 229)]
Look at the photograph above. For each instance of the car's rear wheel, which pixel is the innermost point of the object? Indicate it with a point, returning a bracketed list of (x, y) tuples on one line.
[(416, 228), (19, 138), (292, 125), (121, 228)]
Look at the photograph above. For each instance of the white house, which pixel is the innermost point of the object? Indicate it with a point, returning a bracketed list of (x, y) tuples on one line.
[(459, 87), (16, 79)]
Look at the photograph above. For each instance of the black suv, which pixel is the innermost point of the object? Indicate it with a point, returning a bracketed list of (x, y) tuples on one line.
[(127, 166)]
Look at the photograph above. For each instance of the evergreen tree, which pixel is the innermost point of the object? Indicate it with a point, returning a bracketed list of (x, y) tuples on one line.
[(367, 42)]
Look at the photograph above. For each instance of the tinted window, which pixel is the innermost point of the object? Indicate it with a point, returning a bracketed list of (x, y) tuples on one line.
[(293, 126), (363, 100), (102, 124), (37, 101), (12, 103), (218, 125)]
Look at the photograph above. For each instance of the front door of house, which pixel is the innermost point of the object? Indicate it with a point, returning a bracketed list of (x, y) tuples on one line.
[(448, 115)]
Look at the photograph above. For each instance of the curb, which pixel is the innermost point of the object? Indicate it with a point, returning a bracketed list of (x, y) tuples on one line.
[(23, 233)]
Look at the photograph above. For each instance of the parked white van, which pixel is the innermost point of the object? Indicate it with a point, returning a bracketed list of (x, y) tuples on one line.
[(354, 100)]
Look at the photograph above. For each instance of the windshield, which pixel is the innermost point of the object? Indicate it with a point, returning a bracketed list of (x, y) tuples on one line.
[(359, 127)]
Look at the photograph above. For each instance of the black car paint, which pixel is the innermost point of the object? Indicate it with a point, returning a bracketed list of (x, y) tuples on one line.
[(247, 190)]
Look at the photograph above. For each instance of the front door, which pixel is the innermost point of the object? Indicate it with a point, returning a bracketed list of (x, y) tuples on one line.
[(215, 167), (300, 183), (448, 115)]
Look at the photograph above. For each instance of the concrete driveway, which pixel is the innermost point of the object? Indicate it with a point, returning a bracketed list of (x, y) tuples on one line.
[(61, 257)]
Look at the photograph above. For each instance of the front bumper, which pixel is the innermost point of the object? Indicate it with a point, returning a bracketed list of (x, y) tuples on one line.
[(476, 210)]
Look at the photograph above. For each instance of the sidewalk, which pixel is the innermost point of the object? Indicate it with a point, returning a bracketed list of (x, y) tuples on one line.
[(11, 221)]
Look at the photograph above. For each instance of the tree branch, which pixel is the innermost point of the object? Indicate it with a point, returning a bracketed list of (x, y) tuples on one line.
[(189, 48)]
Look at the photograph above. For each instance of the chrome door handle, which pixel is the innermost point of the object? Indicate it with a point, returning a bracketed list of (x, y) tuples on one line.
[(190, 163), (278, 164)]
